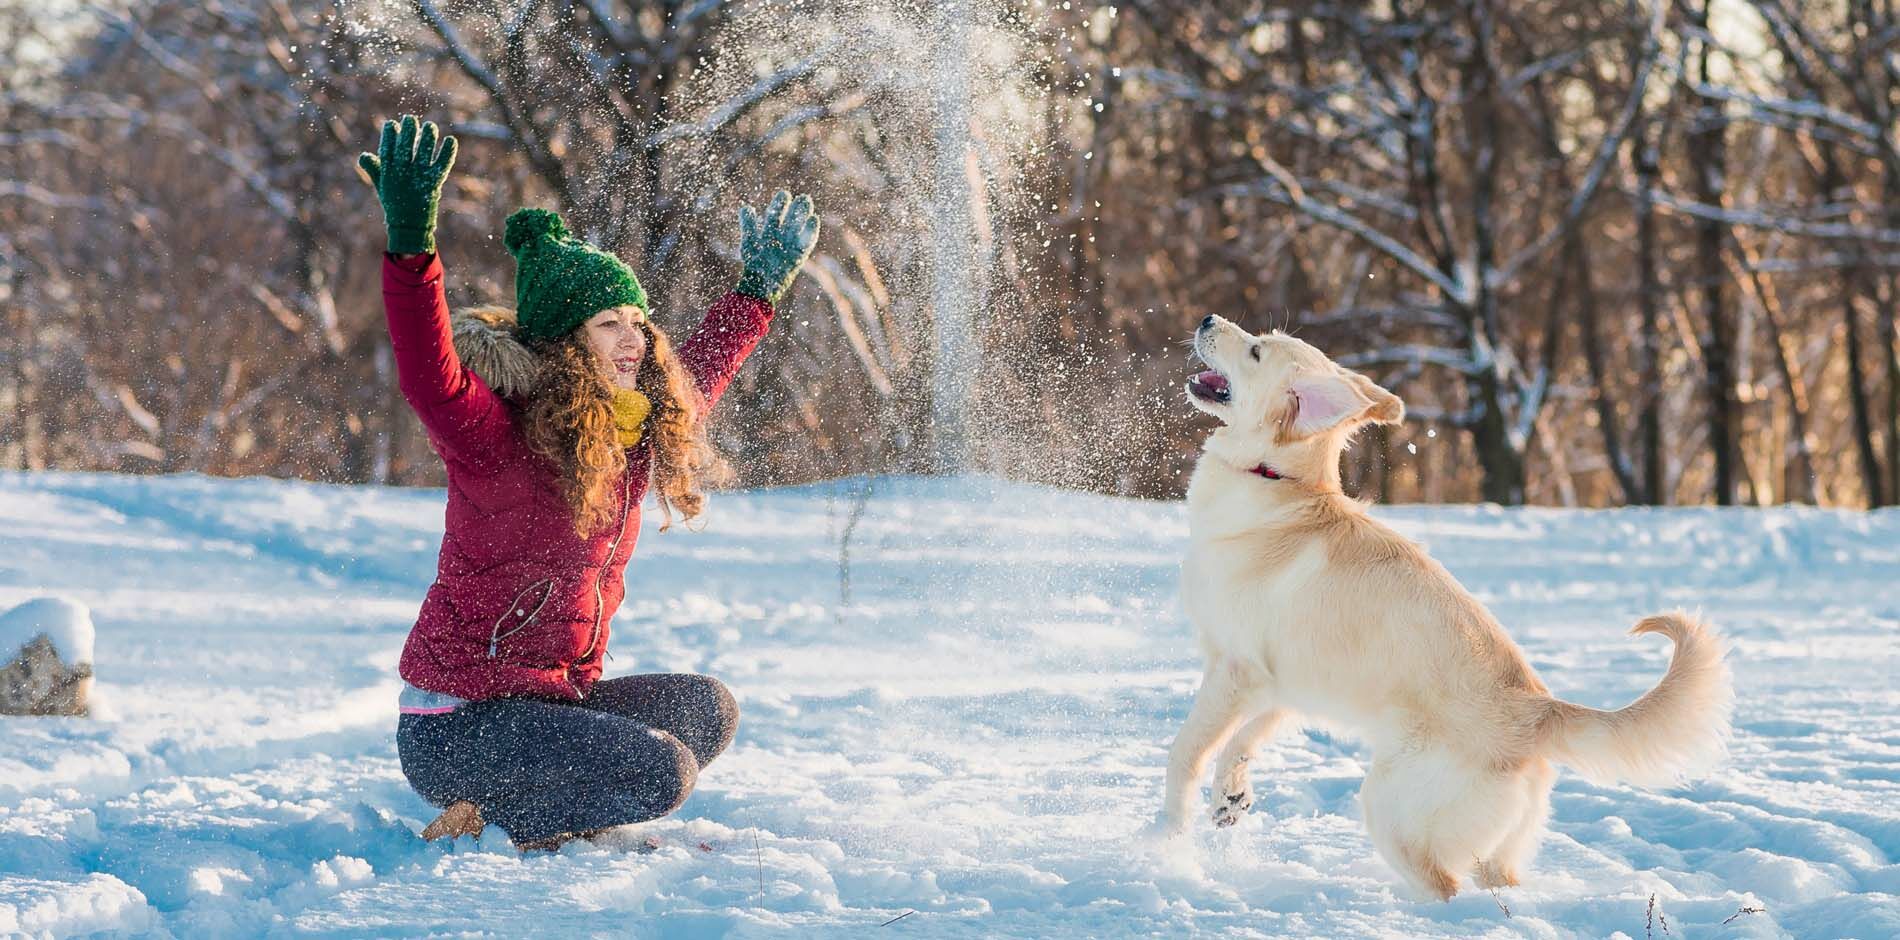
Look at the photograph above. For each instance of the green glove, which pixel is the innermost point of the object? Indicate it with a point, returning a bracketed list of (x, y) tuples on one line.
[(407, 172), (774, 246)]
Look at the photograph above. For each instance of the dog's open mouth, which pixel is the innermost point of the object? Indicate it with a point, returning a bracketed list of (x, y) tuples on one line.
[(1209, 386)]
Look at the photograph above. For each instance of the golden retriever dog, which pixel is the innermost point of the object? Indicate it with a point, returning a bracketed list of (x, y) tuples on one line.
[(1308, 608)]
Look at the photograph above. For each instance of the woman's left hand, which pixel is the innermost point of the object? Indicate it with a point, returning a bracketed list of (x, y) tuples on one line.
[(774, 246)]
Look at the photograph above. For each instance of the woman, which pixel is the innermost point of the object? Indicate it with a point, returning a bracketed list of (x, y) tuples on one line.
[(564, 415)]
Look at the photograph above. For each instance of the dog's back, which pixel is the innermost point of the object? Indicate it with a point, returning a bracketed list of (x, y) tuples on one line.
[(1357, 625)]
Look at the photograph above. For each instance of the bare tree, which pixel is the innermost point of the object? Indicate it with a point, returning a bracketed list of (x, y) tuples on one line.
[(1707, 150)]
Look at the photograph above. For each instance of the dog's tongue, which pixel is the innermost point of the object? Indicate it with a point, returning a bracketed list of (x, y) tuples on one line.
[(1211, 380)]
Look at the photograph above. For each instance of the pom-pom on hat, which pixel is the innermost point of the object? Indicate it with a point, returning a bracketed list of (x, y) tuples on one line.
[(560, 280)]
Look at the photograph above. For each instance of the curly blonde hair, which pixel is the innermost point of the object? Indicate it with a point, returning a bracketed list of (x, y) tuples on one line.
[(568, 418)]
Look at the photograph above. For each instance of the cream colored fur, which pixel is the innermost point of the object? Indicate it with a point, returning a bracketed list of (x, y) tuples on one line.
[(1308, 608), (484, 339)]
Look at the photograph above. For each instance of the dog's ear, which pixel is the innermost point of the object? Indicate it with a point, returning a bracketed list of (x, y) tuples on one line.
[(1324, 400), (1386, 407), (1321, 400)]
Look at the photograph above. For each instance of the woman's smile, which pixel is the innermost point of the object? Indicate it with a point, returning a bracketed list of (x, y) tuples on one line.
[(618, 338)]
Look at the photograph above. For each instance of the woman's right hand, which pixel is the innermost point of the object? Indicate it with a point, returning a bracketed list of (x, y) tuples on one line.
[(407, 171)]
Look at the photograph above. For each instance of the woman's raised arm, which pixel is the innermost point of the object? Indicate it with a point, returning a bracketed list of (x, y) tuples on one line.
[(772, 248), (467, 422)]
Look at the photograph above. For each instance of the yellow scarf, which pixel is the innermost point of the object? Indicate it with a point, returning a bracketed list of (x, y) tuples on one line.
[(630, 415)]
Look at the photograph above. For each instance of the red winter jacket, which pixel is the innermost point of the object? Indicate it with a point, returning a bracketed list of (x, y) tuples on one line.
[(520, 603)]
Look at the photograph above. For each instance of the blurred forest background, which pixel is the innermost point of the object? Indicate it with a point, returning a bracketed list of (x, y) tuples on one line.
[(1609, 252)]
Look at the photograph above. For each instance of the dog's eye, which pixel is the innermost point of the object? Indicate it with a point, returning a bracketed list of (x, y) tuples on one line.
[(1254, 351)]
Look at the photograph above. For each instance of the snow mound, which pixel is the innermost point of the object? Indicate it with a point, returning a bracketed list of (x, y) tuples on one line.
[(67, 623), (94, 904)]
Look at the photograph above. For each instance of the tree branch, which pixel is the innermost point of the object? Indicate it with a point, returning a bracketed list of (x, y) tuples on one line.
[(1413, 354), (1754, 218), (735, 108), (1290, 193)]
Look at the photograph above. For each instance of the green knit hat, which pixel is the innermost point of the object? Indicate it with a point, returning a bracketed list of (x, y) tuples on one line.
[(560, 280)]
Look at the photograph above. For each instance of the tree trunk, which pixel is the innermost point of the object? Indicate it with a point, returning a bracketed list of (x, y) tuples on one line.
[(1500, 451), (1649, 341), (1890, 349), (1577, 256), (1498, 456), (1832, 182), (1890, 358), (1801, 478), (1875, 24), (1707, 150), (1857, 394)]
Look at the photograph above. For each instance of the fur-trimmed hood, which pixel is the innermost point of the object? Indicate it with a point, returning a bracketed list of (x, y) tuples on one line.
[(486, 341)]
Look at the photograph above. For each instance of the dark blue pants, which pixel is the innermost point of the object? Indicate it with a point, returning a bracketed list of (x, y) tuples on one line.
[(629, 752)]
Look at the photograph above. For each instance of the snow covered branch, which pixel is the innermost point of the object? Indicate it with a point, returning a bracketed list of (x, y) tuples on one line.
[(1809, 110), (1287, 191), (738, 106), (1412, 353), (33, 192), (1771, 221)]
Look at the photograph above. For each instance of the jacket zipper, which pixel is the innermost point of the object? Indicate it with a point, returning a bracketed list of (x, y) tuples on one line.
[(626, 488), (495, 636)]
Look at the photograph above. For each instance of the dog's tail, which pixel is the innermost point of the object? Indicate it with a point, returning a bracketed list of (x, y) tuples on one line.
[(1677, 727)]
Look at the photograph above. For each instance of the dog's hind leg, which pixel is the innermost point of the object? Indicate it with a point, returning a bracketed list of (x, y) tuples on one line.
[(1505, 865), (1228, 690), (1233, 792), (1433, 816)]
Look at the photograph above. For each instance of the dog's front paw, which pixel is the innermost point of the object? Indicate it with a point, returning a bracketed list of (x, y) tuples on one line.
[(1229, 807), (1166, 832)]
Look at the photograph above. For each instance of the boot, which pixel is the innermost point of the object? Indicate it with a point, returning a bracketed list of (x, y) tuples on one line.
[(462, 818)]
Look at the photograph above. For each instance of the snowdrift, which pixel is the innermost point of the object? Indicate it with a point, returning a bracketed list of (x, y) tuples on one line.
[(976, 736)]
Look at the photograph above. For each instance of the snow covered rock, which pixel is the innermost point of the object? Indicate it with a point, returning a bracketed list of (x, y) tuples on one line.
[(47, 648)]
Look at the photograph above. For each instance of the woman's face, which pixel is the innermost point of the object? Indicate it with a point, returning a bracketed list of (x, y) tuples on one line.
[(618, 342)]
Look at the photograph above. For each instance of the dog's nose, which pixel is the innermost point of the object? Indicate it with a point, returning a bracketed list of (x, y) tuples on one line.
[(1208, 323)]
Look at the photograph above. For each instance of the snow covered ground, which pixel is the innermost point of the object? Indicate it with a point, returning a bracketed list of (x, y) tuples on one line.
[(976, 736)]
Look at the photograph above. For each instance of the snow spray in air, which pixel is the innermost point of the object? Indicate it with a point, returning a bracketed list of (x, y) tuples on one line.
[(956, 288)]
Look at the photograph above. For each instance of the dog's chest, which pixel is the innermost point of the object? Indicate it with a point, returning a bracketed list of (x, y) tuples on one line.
[(1239, 592)]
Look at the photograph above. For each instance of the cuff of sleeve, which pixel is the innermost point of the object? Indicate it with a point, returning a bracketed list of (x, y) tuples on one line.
[(756, 286), (418, 271), (404, 240), (759, 307)]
